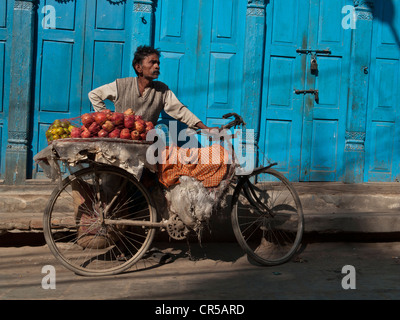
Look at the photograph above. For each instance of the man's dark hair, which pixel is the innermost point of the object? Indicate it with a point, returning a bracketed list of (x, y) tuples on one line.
[(141, 53)]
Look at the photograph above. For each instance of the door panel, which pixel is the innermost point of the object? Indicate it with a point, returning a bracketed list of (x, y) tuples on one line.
[(6, 7), (58, 68), (324, 147), (201, 44), (176, 37), (382, 144), (176, 34), (282, 109), (324, 123), (59, 54), (107, 46), (314, 128), (223, 58), (86, 49)]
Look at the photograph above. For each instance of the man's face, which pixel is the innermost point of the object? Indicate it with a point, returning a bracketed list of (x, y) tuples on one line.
[(150, 67)]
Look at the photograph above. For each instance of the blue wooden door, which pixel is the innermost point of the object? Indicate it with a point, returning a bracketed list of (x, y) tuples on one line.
[(176, 29), (324, 121), (6, 9), (107, 50), (220, 58), (282, 110), (202, 60), (382, 144), (86, 48), (58, 83), (303, 134)]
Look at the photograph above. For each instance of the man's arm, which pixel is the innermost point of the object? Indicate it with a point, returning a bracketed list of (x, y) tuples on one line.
[(201, 125), (175, 108), (178, 111), (98, 95)]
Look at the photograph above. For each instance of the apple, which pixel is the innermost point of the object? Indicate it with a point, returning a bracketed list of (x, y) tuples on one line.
[(108, 126), (117, 118), (143, 136), (125, 134), (76, 132), (140, 126), (94, 128), (149, 124), (108, 112), (129, 112), (87, 119), (129, 121), (135, 135), (115, 133), (100, 117), (149, 128), (102, 134), (86, 134)]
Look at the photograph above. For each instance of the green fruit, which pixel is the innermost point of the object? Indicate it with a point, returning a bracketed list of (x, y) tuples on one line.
[(65, 124), (60, 131)]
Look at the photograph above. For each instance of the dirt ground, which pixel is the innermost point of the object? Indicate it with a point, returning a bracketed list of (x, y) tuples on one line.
[(217, 271)]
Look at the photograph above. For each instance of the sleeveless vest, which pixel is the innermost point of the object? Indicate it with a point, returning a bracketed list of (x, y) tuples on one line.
[(149, 106)]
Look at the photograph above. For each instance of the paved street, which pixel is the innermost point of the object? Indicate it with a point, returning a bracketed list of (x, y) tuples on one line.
[(221, 272)]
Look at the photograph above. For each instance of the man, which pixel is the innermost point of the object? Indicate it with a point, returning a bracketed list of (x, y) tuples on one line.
[(147, 98), (142, 94)]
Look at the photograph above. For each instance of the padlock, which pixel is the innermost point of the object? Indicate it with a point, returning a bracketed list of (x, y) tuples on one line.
[(314, 65)]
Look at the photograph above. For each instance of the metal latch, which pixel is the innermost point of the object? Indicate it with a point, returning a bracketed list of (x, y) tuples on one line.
[(313, 53), (310, 51), (311, 91)]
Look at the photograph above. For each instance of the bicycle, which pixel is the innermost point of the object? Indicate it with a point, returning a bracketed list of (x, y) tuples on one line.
[(101, 220)]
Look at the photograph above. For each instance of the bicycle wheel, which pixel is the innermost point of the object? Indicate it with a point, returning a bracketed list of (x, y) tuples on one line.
[(92, 221), (267, 217)]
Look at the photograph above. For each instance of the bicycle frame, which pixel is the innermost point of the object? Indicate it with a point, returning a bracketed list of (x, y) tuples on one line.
[(105, 225)]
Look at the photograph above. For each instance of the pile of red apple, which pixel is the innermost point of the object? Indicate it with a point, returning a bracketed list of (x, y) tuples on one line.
[(108, 124)]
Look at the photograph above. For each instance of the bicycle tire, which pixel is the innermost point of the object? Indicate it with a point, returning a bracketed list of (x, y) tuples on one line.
[(76, 232), (267, 217)]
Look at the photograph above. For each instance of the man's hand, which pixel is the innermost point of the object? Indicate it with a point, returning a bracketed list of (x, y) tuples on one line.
[(201, 125)]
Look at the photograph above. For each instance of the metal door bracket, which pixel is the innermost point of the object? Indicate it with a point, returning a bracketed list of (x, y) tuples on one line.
[(311, 91), (310, 51)]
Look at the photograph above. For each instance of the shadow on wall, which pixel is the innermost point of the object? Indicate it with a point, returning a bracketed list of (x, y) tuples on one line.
[(385, 11)]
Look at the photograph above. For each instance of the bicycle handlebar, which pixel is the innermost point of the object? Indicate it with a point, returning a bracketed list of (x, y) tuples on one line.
[(236, 122)]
